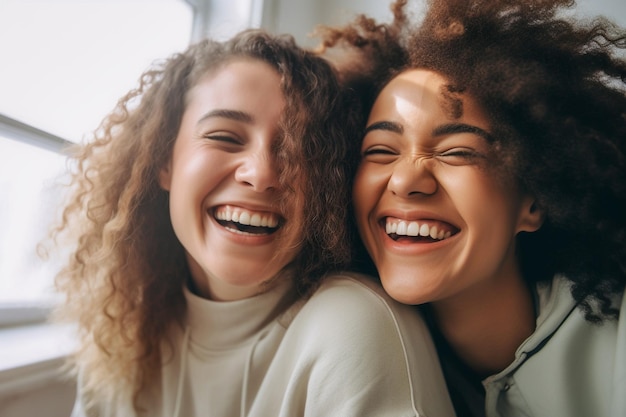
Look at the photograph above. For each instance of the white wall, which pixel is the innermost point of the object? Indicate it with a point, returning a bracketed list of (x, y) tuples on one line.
[(613, 9), (299, 17)]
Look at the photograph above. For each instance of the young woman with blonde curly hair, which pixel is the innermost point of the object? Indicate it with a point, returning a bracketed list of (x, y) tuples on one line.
[(208, 213), (492, 192)]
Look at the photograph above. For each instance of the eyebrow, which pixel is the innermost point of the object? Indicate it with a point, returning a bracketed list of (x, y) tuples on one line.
[(235, 115), (446, 129), (462, 128), (385, 125)]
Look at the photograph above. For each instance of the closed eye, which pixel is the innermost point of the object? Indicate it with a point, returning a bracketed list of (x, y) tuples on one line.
[(460, 156), (223, 138), (379, 154), (377, 151)]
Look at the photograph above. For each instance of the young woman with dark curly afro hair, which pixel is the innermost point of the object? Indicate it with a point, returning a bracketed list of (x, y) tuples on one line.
[(491, 191)]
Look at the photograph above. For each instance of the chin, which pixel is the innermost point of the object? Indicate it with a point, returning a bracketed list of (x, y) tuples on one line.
[(399, 293), (402, 290)]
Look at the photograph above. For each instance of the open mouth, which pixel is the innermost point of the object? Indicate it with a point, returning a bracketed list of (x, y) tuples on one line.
[(247, 222), (424, 231)]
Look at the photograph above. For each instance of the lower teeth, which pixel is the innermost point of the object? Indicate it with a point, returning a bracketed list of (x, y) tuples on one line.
[(415, 239), (245, 229)]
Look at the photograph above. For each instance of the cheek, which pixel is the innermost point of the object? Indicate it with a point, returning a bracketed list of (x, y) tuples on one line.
[(197, 169), (487, 207), (470, 188), (364, 196)]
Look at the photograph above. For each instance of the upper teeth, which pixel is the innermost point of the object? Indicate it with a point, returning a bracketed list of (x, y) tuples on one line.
[(246, 217), (405, 228)]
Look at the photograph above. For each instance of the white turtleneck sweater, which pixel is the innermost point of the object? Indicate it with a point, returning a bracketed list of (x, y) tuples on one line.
[(348, 350)]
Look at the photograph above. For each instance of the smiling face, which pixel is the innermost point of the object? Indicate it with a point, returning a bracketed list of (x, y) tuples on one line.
[(435, 220), (223, 182)]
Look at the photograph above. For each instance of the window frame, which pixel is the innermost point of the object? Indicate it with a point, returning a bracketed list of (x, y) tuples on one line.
[(25, 133)]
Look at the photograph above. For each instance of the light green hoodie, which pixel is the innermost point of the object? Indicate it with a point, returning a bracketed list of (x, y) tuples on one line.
[(568, 367)]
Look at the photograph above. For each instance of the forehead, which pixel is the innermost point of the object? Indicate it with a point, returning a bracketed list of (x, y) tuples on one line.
[(409, 91), (237, 76), (420, 84), (248, 85), (429, 82), (420, 91)]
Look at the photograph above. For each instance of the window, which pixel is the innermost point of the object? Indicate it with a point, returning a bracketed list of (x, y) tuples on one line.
[(27, 173), (64, 65)]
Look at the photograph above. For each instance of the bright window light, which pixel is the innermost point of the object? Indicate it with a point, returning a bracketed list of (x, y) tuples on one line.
[(29, 199), (64, 65), (66, 62)]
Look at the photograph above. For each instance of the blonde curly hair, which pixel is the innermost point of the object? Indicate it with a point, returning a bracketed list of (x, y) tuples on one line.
[(124, 281)]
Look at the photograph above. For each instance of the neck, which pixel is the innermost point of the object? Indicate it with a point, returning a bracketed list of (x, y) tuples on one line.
[(486, 325)]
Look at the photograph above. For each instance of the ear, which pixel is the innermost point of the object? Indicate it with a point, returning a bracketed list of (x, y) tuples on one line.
[(165, 176), (531, 215)]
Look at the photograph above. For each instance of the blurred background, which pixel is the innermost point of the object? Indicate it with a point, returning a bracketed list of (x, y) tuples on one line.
[(63, 65)]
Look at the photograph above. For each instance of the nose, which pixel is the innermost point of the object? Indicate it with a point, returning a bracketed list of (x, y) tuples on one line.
[(412, 177), (258, 170)]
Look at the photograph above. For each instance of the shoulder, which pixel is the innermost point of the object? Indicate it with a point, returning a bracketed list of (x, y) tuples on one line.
[(556, 303), (563, 337), (350, 330), (351, 297), (352, 288), (351, 308)]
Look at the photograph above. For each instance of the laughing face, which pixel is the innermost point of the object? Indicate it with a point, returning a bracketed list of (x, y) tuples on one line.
[(223, 182), (436, 221)]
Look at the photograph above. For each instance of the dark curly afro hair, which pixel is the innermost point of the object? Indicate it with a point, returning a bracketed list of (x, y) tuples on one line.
[(554, 88)]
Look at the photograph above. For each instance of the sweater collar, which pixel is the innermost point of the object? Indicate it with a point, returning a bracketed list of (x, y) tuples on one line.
[(219, 325), (555, 303)]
